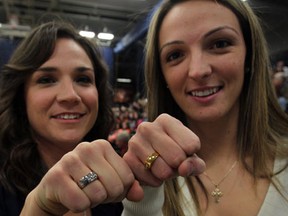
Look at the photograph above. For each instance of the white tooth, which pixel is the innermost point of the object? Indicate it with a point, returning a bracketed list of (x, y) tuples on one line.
[(67, 116), (204, 93)]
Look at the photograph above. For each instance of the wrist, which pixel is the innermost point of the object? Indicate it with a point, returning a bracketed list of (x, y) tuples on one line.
[(31, 207)]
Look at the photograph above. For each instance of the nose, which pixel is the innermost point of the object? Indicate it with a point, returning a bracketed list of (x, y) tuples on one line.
[(199, 66), (68, 93)]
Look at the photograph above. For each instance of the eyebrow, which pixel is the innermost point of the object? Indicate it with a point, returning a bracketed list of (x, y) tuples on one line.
[(53, 69), (205, 36), (170, 43), (220, 28)]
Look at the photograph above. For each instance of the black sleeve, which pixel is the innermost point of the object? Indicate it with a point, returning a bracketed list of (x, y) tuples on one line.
[(10, 203), (109, 209)]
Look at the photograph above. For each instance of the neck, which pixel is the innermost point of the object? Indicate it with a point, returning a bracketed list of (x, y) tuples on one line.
[(218, 141), (220, 146), (50, 153)]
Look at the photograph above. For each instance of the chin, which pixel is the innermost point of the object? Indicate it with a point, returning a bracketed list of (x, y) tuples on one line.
[(73, 142)]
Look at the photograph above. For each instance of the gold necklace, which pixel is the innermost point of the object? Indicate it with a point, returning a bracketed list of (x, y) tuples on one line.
[(217, 193)]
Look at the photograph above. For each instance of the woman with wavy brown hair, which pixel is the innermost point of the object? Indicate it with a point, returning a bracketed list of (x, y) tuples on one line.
[(55, 114)]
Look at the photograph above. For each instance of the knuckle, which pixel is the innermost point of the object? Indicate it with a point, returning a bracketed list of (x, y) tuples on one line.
[(196, 143), (70, 160), (143, 128), (191, 145), (164, 174), (100, 195), (165, 118), (128, 180), (117, 190), (177, 159)]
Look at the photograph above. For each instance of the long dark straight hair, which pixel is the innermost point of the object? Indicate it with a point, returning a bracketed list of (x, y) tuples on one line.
[(262, 125)]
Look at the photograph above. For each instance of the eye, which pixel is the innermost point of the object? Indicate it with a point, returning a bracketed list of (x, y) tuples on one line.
[(84, 80), (176, 55), (46, 80), (221, 44)]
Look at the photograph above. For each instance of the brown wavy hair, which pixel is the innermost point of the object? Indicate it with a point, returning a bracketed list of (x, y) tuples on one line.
[(262, 125), (21, 165)]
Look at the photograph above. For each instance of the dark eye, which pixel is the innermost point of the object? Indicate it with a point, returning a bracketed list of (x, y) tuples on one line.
[(174, 56), (221, 44), (84, 80), (46, 80)]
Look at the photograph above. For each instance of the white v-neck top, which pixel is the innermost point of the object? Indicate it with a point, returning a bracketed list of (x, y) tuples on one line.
[(274, 204)]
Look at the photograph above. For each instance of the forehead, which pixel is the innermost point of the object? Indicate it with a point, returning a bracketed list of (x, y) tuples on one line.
[(198, 15)]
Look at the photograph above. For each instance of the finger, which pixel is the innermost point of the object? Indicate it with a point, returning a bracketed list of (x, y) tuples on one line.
[(135, 192), (77, 167), (116, 177), (150, 138), (144, 176), (94, 156), (193, 165), (120, 167), (57, 190), (178, 132), (141, 145), (161, 170)]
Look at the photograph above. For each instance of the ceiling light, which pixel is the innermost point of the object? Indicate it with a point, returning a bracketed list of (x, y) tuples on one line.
[(105, 36), (124, 80), (88, 34)]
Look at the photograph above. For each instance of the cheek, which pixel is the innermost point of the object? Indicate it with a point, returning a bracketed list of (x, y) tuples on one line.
[(176, 76), (37, 101), (91, 100), (234, 70), (37, 106)]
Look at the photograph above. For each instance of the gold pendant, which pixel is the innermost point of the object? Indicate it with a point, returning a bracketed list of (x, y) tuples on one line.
[(217, 194)]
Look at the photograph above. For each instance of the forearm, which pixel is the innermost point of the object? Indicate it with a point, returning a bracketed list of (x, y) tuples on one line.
[(151, 204)]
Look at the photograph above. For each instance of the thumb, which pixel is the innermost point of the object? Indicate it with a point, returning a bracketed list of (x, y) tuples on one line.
[(193, 165), (135, 192)]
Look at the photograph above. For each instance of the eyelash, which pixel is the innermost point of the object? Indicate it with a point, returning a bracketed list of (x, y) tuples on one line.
[(45, 80), (216, 45), (173, 56), (49, 80), (224, 42), (84, 80)]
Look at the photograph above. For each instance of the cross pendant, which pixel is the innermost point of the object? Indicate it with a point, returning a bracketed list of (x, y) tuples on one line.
[(217, 194)]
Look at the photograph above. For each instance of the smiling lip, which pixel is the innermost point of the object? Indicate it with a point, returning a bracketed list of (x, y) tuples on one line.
[(205, 92), (68, 116)]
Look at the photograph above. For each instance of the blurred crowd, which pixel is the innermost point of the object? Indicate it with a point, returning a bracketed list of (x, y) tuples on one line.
[(128, 116), (280, 82)]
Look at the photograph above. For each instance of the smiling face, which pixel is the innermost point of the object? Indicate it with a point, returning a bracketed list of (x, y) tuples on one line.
[(61, 97), (202, 54)]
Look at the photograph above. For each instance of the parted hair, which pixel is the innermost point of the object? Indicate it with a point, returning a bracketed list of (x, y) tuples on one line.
[(21, 165), (262, 125)]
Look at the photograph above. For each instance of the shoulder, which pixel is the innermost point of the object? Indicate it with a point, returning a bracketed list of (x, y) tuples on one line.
[(276, 200)]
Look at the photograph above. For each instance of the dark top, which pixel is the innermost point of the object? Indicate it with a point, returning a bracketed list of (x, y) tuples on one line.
[(11, 205)]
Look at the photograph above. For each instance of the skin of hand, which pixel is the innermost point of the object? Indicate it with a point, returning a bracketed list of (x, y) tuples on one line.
[(58, 191), (176, 145)]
